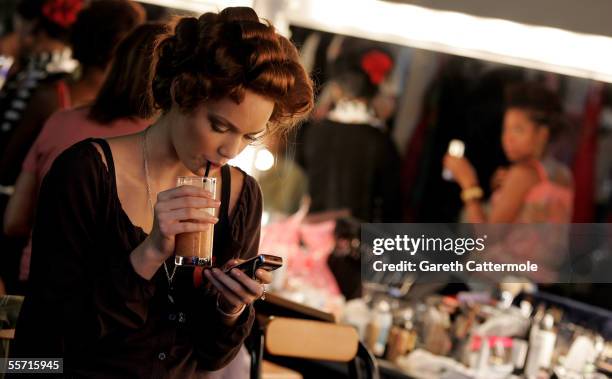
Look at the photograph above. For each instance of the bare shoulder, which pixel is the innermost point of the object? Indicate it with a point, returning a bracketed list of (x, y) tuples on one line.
[(124, 143), (522, 175), (122, 148)]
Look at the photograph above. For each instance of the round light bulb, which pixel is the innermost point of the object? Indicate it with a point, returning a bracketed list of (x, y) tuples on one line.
[(264, 160)]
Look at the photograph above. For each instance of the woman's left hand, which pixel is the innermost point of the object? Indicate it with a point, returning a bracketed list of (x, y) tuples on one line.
[(462, 170), (235, 288)]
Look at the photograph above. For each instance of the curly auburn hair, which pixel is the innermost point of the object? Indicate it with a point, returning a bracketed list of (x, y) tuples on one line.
[(224, 55)]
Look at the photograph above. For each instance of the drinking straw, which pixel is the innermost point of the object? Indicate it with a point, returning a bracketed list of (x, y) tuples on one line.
[(207, 169)]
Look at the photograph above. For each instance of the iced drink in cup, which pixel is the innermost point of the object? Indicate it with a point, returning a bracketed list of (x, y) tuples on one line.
[(195, 248)]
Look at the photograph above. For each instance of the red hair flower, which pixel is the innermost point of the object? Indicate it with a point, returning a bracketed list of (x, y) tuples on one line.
[(377, 65), (62, 12)]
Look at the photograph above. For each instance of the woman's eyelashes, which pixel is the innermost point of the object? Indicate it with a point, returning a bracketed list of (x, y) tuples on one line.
[(256, 137), (218, 128), (221, 128), (253, 139)]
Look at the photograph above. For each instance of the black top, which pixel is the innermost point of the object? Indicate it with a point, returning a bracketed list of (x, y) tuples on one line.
[(88, 305)]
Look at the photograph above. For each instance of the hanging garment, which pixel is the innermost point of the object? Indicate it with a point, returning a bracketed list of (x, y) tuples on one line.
[(354, 166), (15, 137)]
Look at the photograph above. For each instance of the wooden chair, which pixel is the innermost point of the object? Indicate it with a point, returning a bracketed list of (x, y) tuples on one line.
[(7, 334), (9, 310), (314, 340), (271, 370)]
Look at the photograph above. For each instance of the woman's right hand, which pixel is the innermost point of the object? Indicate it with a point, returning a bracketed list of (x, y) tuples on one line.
[(180, 210), (462, 170)]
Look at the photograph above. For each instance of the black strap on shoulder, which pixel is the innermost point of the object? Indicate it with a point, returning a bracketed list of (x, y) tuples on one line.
[(226, 190), (107, 155)]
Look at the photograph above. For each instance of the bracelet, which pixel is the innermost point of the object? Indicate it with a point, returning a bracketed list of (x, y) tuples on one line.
[(473, 193), (230, 315)]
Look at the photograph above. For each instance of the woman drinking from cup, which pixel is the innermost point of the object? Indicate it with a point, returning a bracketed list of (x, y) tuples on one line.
[(109, 212)]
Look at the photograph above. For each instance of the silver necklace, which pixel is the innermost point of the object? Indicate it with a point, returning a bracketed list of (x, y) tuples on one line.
[(169, 276)]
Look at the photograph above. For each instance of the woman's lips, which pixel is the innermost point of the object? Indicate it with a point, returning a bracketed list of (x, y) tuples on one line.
[(213, 165)]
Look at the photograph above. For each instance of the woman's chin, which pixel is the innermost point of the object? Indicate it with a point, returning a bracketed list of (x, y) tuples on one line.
[(211, 171), (518, 159)]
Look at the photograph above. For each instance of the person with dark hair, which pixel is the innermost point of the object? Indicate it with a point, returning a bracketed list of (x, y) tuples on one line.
[(349, 159), (95, 35), (535, 188), (123, 106), (109, 211), (359, 73)]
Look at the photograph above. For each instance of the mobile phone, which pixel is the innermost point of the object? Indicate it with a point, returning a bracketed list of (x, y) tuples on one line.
[(456, 148), (266, 262)]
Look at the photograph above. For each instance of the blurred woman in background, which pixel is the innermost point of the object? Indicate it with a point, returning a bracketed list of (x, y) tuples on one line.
[(123, 106), (535, 188), (40, 55), (93, 34)]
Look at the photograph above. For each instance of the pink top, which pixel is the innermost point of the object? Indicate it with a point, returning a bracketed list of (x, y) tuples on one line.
[(549, 201), (67, 127)]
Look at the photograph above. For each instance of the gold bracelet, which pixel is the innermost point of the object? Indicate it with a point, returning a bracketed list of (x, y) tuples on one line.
[(473, 193), (230, 315)]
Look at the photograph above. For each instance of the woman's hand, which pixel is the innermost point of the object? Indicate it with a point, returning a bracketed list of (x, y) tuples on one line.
[(462, 171), (235, 288), (180, 210)]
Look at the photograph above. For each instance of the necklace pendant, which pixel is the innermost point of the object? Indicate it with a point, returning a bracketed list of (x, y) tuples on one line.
[(170, 298)]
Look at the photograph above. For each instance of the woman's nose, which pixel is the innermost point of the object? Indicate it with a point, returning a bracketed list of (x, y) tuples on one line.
[(231, 148)]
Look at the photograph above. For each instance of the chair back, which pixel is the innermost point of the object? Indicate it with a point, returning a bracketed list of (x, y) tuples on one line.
[(311, 339)]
